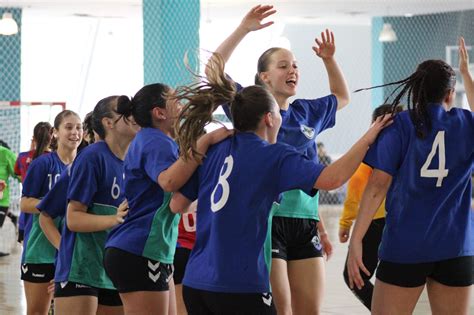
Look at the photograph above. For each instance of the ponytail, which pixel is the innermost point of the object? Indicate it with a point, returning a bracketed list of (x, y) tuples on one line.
[(430, 83), (202, 99), (42, 134)]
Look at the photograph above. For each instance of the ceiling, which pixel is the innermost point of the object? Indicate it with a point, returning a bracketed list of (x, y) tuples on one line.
[(303, 10)]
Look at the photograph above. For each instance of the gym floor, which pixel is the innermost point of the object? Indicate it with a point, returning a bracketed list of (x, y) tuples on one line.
[(338, 299)]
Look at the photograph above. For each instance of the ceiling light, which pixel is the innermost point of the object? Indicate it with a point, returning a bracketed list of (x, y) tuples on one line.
[(8, 25), (387, 34)]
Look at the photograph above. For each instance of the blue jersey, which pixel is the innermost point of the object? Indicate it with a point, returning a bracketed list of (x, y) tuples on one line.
[(40, 178), (96, 181), (150, 229), (55, 201), (429, 215), (301, 123), (235, 188)]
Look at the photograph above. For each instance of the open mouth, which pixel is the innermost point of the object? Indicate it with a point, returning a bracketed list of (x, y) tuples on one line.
[(291, 83)]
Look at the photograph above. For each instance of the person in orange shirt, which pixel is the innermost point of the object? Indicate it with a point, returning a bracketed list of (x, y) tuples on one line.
[(372, 239)]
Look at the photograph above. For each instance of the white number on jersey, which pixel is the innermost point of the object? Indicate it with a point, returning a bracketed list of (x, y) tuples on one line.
[(187, 221), (51, 180), (441, 172), (115, 191), (228, 165)]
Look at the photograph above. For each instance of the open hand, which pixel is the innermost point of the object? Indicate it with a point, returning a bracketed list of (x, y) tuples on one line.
[(325, 47), (253, 19)]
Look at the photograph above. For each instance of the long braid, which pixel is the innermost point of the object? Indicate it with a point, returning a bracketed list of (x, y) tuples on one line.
[(430, 83)]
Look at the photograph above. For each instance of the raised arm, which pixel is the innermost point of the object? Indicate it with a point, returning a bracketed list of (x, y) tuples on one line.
[(325, 49), (373, 196), (252, 21), (466, 75)]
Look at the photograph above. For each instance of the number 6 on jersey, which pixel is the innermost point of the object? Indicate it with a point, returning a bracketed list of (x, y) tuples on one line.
[(228, 165), (441, 172)]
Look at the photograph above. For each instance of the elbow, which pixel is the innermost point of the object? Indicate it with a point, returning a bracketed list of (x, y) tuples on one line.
[(167, 184), (328, 182), (72, 222), (336, 183), (342, 101), (168, 187)]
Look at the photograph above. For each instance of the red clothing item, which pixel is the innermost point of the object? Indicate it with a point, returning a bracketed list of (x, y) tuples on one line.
[(187, 230), (22, 163)]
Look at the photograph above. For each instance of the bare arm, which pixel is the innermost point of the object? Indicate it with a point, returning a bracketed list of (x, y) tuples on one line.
[(373, 196), (337, 173), (28, 205), (78, 220), (325, 49), (174, 177), (251, 22), (179, 203), (466, 75), (49, 229)]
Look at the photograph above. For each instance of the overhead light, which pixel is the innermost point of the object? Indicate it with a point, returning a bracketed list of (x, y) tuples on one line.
[(8, 25), (387, 34)]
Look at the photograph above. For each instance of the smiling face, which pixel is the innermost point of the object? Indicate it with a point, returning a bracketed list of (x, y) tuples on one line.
[(69, 133), (281, 76)]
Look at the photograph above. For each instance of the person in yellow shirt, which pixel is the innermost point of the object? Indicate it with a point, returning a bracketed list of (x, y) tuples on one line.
[(372, 239)]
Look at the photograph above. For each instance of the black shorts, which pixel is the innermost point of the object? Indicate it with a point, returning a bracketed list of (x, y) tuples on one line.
[(37, 273), (295, 238), (3, 215), (456, 272), (131, 273), (69, 289), (201, 302), (181, 258)]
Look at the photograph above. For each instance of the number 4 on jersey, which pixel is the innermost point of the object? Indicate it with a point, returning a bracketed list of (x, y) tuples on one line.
[(441, 172)]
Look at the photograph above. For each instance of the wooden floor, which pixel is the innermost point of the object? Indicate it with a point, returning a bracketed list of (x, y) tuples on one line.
[(338, 299)]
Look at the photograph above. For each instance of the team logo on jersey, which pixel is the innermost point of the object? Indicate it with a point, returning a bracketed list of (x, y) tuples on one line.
[(307, 131), (63, 284), (316, 242)]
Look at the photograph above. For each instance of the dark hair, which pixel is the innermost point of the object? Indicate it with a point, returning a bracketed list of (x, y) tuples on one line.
[(263, 63), (385, 109), (42, 135), (247, 106), (103, 109), (4, 144), (141, 105), (88, 132), (57, 122), (430, 83)]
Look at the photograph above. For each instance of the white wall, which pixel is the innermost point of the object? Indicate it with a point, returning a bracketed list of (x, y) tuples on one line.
[(78, 60)]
